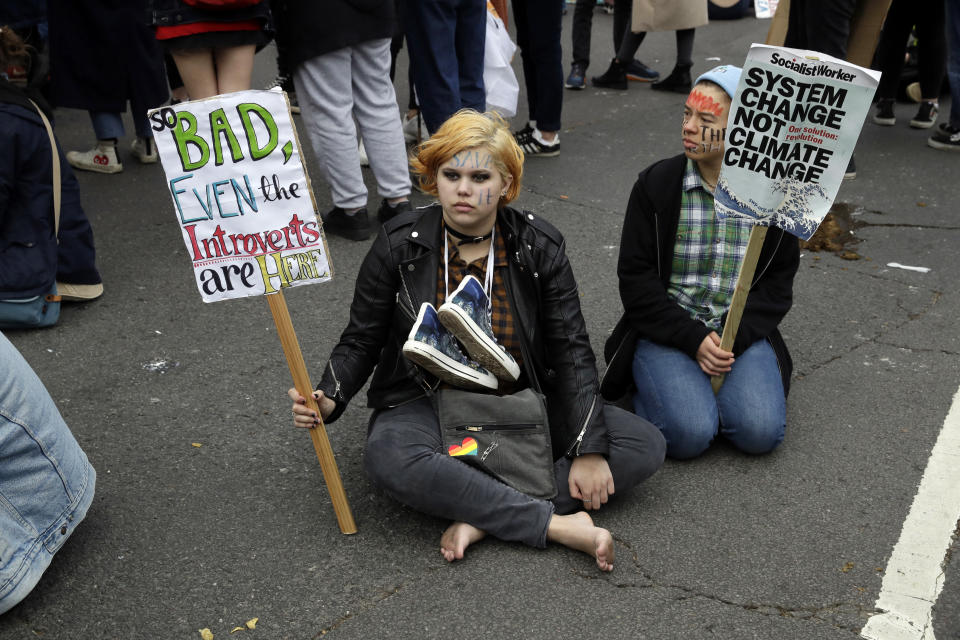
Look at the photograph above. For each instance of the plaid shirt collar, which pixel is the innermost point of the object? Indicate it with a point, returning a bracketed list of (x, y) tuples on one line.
[(691, 177)]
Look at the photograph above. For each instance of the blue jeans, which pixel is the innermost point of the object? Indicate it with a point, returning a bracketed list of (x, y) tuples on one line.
[(107, 125), (953, 60), (675, 394), (46, 481), (405, 457), (446, 39)]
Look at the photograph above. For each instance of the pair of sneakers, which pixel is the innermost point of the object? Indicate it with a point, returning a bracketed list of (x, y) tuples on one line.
[(436, 337), (926, 115)]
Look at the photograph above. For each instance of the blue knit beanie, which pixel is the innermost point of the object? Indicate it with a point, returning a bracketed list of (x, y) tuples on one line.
[(726, 75)]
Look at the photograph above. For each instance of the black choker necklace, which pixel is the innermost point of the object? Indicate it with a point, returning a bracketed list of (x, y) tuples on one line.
[(466, 238)]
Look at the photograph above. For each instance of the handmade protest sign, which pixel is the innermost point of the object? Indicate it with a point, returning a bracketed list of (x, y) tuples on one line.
[(793, 124), (243, 203), (240, 194)]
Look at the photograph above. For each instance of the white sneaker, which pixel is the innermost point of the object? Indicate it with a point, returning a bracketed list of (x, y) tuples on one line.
[(364, 160), (102, 158), (414, 129), (145, 150)]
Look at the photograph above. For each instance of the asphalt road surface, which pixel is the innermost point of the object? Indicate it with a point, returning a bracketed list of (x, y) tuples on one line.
[(792, 545)]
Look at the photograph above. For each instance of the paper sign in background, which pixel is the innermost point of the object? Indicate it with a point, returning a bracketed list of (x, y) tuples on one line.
[(240, 194)]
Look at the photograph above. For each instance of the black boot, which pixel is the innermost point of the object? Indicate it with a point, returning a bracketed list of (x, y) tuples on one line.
[(615, 77), (678, 81)]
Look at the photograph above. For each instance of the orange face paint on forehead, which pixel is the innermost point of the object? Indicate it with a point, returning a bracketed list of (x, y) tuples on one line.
[(702, 102)]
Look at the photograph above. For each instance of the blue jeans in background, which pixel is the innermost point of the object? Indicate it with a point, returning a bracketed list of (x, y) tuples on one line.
[(107, 125), (446, 40), (46, 481), (675, 395), (953, 60)]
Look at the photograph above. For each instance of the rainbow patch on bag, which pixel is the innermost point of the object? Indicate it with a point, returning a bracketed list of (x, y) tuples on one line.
[(466, 448)]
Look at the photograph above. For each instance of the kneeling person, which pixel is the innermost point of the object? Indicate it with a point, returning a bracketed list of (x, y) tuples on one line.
[(677, 269)]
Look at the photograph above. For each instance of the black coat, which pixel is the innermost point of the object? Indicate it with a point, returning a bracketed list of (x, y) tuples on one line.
[(400, 273), (645, 265), (308, 28), (172, 13), (30, 258), (102, 54)]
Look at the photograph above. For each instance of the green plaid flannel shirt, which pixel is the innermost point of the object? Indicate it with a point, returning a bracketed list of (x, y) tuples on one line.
[(707, 253)]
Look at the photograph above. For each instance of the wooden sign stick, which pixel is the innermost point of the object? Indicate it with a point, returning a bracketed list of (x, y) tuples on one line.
[(744, 280), (301, 380)]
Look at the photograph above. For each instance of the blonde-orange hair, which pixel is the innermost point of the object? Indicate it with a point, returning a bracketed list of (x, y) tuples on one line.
[(469, 129)]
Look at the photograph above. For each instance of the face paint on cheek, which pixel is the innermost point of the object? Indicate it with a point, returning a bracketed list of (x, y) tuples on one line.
[(709, 134)]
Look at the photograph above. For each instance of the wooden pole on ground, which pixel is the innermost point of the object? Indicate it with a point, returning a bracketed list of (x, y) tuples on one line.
[(744, 280), (301, 380)]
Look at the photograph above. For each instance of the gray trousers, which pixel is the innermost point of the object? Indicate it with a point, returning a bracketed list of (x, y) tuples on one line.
[(404, 456), (335, 88)]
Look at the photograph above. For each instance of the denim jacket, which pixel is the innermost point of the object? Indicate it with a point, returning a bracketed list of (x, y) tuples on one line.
[(46, 481)]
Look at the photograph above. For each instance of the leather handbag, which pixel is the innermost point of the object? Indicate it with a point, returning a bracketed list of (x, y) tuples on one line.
[(42, 310), (505, 436)]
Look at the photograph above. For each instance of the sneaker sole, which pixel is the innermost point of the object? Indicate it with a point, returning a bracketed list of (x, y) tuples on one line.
[(446, 369), (922, 124), (640, 79), (943, 146), (543, 154), (477, 343), (115, 168), (574, 87), (884, 122)]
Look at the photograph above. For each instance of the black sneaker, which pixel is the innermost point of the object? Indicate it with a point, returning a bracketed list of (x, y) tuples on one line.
[(678, 81), (615, 77), (946, 138), (851, 171), (639, 72), (575, 79), (926, 116), (388, 211), (527, 130), (884, 115), (352, 227), (533, 147)]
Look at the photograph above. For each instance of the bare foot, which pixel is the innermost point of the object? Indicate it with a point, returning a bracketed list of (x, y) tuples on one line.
[(457, 538), (577, 531)]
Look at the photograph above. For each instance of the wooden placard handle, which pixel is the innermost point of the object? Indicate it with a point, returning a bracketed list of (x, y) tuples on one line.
[(744, 279), (301, 380)]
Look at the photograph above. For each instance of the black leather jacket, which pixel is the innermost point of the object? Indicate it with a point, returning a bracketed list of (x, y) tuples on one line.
[(400, 273)]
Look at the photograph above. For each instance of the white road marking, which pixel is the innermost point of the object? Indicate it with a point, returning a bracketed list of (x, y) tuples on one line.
[(914, 576)]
